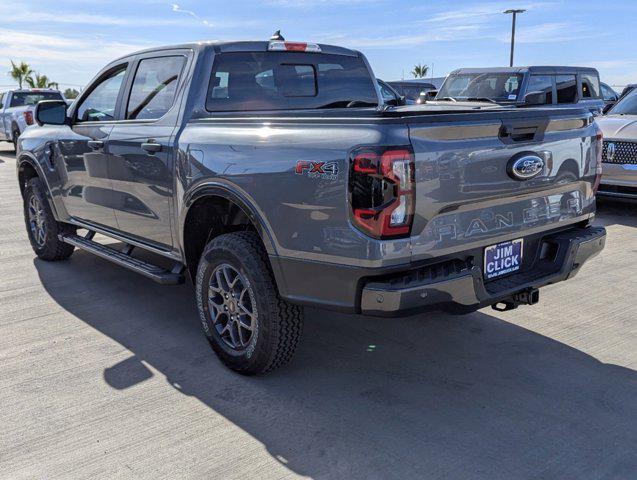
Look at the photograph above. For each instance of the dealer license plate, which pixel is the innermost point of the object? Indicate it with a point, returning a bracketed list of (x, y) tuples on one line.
[(503, 258)]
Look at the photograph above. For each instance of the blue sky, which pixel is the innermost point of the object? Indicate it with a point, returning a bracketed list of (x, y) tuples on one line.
[(70, 40)]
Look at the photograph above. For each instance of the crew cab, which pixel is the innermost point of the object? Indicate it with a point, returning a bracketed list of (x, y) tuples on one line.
[(274, 176), (558, 86), (16, 110)]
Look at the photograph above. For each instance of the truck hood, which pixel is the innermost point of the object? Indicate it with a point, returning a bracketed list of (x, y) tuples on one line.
[(618, 126)]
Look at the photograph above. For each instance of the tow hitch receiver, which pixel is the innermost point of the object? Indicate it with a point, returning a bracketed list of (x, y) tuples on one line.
[(530, 296)]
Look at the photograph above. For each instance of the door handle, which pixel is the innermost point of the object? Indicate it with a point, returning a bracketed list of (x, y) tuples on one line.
[(95, 144), (151, 146)]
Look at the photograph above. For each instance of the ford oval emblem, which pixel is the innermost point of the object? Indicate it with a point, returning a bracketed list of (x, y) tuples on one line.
[(525, 167)]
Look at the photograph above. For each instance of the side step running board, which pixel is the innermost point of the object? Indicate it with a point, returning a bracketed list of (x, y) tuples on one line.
[(124, 259)]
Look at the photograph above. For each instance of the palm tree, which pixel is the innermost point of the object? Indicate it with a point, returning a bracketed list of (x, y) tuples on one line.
[(40, 81), (20, 72), (420, 71)]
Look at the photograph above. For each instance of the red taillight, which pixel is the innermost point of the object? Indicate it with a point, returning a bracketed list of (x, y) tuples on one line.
[(381, 190), (598, 167), (28, 117)]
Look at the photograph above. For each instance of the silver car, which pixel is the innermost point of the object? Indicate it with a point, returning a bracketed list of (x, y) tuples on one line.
[(619, 158)]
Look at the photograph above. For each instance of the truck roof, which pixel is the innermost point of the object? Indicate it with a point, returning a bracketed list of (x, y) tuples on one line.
[(30, 90), (548, 69), (239, 46)]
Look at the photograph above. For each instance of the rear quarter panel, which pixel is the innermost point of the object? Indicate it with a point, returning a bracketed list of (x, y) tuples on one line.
[(306, 215)]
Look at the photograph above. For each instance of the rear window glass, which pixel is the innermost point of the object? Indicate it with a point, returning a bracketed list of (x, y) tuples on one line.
[(566, 88), (590, 86), (20, 99), (288, 80)]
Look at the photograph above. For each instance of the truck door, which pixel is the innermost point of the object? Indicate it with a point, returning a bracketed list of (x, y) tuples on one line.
[(141, 160), (86, 192)]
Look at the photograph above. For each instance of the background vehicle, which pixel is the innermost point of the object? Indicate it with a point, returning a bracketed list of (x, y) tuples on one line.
[(391, 96), (609, 95), (274, 174), (619, 160), (411, 89), (16, 110), (525, 86)]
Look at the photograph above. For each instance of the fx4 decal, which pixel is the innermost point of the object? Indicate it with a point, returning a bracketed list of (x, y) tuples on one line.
[(323, 170)]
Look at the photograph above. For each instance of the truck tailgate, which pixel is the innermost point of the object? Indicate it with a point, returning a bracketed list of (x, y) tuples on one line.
[(466, 193)]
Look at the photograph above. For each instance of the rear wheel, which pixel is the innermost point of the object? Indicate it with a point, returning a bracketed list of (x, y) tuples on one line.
[(42, 228), (249, 326)]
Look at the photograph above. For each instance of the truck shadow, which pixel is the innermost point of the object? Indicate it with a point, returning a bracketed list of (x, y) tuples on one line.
[(612, 211), (440, 396)]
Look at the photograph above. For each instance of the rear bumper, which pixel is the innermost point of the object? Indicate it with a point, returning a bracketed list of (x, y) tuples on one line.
[(452, 284), (560, 256)]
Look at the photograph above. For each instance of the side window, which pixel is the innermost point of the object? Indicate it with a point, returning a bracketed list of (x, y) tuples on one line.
[(541, 83), (388, 95), (154, 87), (1, 99), (590, 86), (608, 94), (99, 105), (566, 88)]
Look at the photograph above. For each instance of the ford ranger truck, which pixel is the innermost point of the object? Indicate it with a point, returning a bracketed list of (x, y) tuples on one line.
[(272, 174)]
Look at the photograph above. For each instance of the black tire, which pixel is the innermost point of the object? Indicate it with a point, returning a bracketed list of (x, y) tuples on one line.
[(47, 245), (15, 134), (277, 325)]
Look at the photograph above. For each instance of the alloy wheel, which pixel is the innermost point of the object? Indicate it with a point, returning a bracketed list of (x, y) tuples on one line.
[(232, 306), (36, 221)]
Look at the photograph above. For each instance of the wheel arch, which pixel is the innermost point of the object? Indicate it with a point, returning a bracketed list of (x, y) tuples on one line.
[(211, 210)]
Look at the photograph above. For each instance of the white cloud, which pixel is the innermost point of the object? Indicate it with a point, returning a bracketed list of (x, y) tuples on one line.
[(63, 58), (22, 16), (177, 8)]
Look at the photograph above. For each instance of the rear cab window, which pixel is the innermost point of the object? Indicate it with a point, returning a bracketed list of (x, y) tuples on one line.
[(244, 81), (21, 99)]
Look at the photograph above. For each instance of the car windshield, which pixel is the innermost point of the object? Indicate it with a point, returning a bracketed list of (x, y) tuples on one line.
[(626, 106), (479, 86), (21, 99)]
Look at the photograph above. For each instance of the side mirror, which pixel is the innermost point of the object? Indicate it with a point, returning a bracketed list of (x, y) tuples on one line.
[(51, 112), (431, 94), (402, 100), (535, 98), (607, 108)]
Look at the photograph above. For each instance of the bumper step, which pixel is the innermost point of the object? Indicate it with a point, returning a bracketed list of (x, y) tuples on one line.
[(124, 259)]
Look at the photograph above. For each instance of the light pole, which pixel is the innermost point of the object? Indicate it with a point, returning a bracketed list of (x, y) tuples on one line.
[(514, 12)]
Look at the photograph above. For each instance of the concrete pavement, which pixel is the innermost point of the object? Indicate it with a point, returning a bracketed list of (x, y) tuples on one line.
[(104, 374)]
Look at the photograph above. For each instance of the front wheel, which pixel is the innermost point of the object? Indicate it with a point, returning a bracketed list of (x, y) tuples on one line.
[(248, 325), (42, 228)]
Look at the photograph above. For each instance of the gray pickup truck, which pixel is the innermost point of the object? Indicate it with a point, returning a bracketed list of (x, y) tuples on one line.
[(274, 176)]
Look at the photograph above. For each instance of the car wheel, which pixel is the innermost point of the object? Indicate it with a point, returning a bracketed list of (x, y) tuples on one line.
[(248, 325), (15, 135), (42, 228)]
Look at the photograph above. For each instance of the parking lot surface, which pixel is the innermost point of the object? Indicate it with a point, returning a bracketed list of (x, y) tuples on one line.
[(104, 374)]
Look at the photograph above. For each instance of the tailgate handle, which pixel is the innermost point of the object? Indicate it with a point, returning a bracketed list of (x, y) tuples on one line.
[(523, 131), (518, 134)]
